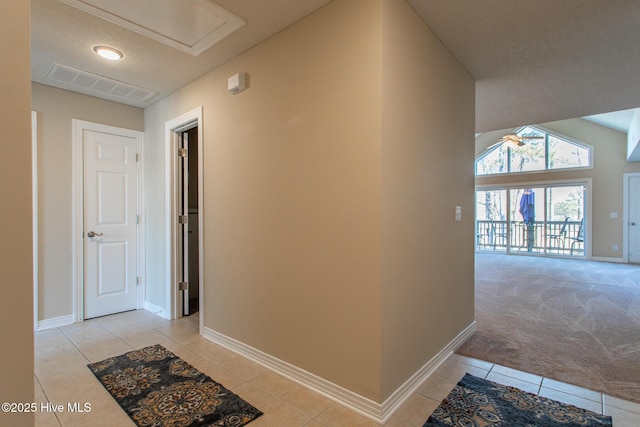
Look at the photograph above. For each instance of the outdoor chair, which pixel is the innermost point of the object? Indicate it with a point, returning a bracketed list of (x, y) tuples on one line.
[(560, 237), (579, 237), (502, 234)]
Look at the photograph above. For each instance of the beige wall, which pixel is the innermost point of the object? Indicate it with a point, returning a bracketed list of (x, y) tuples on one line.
[(56, 108), (16, 314), (427, 157), (609, 151), (295, 187), (291, 194)]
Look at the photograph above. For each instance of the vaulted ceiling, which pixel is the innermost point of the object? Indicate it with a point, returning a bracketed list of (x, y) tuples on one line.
[(533, 61)]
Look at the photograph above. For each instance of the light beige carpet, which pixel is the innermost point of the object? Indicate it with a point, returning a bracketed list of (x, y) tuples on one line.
[(571, 320)]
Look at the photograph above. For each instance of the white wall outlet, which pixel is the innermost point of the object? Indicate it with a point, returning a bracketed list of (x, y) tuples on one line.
[(613, 215), (615, 248), (458, 213)]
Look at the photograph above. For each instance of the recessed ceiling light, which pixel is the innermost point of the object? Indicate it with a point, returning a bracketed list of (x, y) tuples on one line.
[(108, 52)]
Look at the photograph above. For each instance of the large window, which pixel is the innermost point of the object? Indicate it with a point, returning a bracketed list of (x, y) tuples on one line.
[(538, 151)]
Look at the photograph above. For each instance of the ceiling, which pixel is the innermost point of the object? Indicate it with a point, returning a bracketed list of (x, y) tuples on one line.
[(533, 61)]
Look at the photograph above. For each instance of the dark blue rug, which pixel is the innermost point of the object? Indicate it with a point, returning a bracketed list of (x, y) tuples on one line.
[(156, 388), (475, 402)]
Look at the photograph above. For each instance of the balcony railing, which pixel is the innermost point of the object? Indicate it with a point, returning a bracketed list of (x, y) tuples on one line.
[(521, 237)]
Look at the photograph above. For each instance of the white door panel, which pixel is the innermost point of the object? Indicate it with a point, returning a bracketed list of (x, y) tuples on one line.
[(110, 211)]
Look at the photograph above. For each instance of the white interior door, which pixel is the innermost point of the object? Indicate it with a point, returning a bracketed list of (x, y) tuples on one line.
[(634, 219), (110, 217)]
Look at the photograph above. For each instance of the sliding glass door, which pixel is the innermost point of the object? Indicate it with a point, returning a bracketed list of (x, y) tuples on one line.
[(565, 220), (526, 219), (491, 220), (537, 220)]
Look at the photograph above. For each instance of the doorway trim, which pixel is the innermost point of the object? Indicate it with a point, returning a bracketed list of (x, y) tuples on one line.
[(173, 130), (625, 213), (77, 217)]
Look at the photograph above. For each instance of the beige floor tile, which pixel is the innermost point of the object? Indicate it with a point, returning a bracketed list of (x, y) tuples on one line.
[(338, 415), (314, 423), (272, 383), (63, 374), (104, 411), (610, 401), (83, 338), (572, 389), (571, 399), (514, 373), (108, 348), (242, 367), (281, 414), (46, 360), (44, 419), (190, 356), (156, 322), (130, 327), (436, 387), (307, 401), (147, 338), (455, 371), (210, 349), (38, 392), (143, 315), (204, 347), (471, 361), (513, 382), (182, 332), (254, 395), (220, 374), (48, 337), (413, 412), (622, 418)]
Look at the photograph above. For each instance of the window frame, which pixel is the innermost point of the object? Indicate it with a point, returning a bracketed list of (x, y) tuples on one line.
[(547, 133)]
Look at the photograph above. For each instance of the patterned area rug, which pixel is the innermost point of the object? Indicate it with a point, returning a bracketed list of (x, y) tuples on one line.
[(475, 402), (157, 388)]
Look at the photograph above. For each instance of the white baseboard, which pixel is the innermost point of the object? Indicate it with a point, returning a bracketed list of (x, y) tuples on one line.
[(398, 397), (155, 309), (54, 322), (607, 259), (378, 412)]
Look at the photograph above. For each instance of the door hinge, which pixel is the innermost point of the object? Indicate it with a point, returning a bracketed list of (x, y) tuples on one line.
[(183, 286), (138, 280), (182, 152), (183, 219), (138, 157), (138, 219)]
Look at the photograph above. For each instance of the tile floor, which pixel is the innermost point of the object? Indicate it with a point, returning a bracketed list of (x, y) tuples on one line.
[(61, 376)]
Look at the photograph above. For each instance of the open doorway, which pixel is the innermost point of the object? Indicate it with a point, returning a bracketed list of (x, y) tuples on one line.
[(184, 254), (189, 243)]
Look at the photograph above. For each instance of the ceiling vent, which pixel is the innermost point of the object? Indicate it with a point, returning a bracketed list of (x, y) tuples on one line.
[(92, 84), (191, 26)]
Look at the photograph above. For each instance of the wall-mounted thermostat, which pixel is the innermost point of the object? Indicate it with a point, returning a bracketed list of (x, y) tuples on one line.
[(237, 83)]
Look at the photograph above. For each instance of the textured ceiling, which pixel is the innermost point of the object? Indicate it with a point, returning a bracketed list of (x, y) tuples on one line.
[(65, 35), (542, 60), (534, 61)]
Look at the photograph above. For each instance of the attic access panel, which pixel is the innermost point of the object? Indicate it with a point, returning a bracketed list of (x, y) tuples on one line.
[(191, 26)]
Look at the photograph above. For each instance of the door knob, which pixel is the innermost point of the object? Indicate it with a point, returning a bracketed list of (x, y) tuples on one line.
[(93, 234), (633, 223)]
